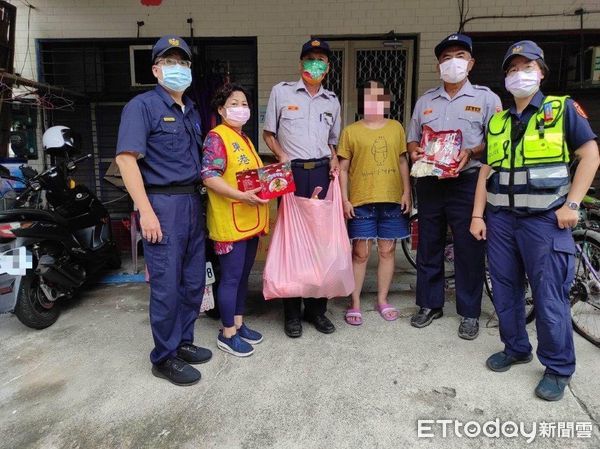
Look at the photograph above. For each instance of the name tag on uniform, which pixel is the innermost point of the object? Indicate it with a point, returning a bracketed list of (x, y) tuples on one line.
[(293, 107), (473, 108), (427, 111), (168, 119)]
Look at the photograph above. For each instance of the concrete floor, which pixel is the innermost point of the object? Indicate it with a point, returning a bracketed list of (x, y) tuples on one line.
[(85, 382)]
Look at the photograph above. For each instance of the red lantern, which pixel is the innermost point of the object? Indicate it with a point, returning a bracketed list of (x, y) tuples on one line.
[(151, 2)]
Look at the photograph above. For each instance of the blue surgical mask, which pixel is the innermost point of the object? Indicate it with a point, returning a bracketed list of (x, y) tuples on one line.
[(176, 77)]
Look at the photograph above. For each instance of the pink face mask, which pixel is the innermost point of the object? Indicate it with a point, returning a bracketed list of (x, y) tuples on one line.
[(237, 116)]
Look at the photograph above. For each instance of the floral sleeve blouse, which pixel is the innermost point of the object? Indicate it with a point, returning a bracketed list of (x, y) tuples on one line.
[(214, 163)]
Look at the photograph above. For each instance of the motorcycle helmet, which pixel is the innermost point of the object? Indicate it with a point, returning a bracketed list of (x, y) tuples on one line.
[(58, 141)]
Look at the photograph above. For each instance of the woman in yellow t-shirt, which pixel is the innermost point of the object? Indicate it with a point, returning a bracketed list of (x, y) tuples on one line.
[(375, 185)]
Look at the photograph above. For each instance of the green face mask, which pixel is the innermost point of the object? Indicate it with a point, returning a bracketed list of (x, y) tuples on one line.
[(314, 70)]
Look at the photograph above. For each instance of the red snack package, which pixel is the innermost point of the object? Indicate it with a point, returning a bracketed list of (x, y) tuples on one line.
[(247, 180), (274, 179), (441, 150)]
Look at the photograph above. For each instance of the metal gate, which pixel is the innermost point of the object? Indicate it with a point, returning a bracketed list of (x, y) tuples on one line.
[(355, 62)]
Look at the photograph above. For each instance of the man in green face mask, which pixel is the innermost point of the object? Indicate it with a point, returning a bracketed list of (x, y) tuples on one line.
[(302, 124)]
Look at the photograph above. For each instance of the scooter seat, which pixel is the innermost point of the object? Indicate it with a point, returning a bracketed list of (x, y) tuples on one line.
[(31, 215)]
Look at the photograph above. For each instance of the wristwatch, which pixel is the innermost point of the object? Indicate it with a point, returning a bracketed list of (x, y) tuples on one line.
[(572, 205)]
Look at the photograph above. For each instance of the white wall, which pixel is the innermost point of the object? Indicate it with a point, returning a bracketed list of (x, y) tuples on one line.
[(281, 26)]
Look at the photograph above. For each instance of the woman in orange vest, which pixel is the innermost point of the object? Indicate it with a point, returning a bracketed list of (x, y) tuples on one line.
[(235, 219)]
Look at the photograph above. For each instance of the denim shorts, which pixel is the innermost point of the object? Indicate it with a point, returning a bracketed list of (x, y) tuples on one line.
[(378, 221)]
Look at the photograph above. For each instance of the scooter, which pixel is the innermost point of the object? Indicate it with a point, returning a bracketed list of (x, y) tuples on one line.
[(48, 252)]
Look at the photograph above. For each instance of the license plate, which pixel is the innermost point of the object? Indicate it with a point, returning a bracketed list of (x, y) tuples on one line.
[(210, 274), (16, 261)]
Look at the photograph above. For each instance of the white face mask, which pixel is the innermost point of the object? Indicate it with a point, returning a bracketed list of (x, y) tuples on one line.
[(454, 70), (522, 84)]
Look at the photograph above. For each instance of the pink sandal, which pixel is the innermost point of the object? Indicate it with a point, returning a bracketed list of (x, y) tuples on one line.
[(353, 317), (385, 309)]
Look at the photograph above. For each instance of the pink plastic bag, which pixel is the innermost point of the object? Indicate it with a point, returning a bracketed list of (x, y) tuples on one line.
[(310, 254)]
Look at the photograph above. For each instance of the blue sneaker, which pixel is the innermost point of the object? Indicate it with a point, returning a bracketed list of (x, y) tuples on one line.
[(249, 335), (552, 387), (501, 361), (234, 345)]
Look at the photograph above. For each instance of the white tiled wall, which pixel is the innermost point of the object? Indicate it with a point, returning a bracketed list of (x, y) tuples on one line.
[(281, 26)]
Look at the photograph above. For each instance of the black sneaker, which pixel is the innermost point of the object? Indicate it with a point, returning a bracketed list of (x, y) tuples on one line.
[(425, 316), (468, 329), (177, 372), (193, 354), (321, 323)]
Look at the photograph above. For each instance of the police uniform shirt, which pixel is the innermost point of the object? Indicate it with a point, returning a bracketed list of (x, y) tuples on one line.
[(577, 128), (166, 138), (305, 126), (469, 110)]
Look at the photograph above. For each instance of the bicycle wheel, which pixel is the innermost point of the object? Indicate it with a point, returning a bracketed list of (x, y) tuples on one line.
[(585, 292), (409, 247)]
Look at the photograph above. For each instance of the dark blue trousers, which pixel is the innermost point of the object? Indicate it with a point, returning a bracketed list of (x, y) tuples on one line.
[(535, 246), (233, 285), (177, 272), (442, 203), (306, 180)]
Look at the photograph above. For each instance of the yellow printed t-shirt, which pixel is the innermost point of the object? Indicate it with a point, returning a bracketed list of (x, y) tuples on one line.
[(374, 155)]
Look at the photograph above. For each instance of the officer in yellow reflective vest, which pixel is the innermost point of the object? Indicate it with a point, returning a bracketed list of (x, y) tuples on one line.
[(531, 206)]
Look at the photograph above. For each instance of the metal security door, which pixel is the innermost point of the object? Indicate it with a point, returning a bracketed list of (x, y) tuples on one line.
[(355, 62)]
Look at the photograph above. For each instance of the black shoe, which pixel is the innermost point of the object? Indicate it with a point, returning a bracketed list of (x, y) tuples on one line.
[(293, 328), (177, 372), (425, 316), (501, 362), (321, 323), (468, 329), (193, 354)]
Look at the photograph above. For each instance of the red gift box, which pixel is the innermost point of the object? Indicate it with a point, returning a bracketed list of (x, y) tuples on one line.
[(275, 180)]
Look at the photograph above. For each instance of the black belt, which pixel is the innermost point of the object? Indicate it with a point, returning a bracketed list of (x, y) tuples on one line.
[(174, 190), (470, 171), (309, 164)]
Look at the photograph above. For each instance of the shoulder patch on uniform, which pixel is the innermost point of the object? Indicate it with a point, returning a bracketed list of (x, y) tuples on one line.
[(579, 109), (498, 108)]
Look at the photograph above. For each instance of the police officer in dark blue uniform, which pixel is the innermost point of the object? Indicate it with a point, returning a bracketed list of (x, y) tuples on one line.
[(531, 206), (455, 104), (158, 154)]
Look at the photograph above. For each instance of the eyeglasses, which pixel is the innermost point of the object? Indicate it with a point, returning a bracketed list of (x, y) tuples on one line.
[(526, 69), (173, 61)]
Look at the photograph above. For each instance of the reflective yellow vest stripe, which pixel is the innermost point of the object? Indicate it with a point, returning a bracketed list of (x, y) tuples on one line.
[(533, 174), (229, 220)]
